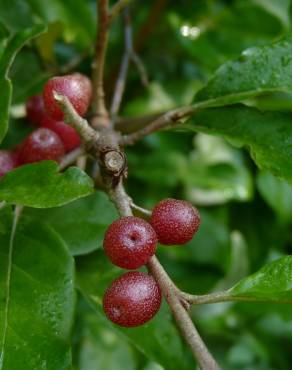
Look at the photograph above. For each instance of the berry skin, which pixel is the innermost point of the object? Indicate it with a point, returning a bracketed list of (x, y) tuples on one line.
[(35, 109), (129, 242), (8, 161), (175, 221), (132, 299), (76, 87), (41, 144), (66, 133)]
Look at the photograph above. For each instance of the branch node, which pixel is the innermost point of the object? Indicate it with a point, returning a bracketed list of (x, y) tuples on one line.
[(114, 161)]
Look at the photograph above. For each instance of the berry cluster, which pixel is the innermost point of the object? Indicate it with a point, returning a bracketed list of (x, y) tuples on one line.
[(53, 137), (130, 242)]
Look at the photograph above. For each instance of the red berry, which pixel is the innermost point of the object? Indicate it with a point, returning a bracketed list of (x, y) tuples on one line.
[(129, 242), (76, 87), (41, 144), (67, 134), (35, 109), (132, 299), (8, 161), (175, 221)]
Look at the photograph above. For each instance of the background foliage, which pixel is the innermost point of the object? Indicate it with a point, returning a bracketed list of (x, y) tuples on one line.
[(225, 160)]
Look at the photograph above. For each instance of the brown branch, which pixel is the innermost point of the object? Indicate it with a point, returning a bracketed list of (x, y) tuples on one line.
[(81, 162), (117, 8), (121, 80), (72, 118), (142, 211), (216, 297), (129, 55), (99, 111), (164, 121), (151, 22), (141, 68), (70, 158), (184, 322), (205, 360), (127, 125)]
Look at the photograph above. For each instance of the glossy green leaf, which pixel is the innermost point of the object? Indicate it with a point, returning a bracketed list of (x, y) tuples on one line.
[(36, 297), (81, 223), (76, 16), (6, 58), (223, 32), (257, 71), (40, 185), (216, 173), (214, 235), (16, 15), (272, 283), (29, 83), (100, 348), (277, 193), (277, 8), (159, 339), (268, 136)]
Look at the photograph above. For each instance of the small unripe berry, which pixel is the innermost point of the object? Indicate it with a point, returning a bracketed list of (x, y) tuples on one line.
[(76, 87), (129, 242), (35, 109), (8, 161), (175, 221), (68, 135), (41, 144), (132, 299)]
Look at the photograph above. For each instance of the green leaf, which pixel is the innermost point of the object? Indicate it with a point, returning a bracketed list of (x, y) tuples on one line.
[(40, 185), (267, 135), (100, 348), (216, 173), (76, 16), (214, 235), (277, 8), (82, 223), (271, 283), (16, 15), (7, 57), (259, 70), (277, 193), (159, 339), (36, 297), (29, 83)]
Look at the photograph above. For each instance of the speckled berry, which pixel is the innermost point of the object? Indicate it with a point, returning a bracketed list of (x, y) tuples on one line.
[(132, 299), (76, 87), (175, 221), (41, 144), (129, 242), (8, 161), (35, 109), (68, 135)]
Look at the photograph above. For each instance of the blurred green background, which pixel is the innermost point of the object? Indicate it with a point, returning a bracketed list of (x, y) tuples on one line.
[(246, 213)]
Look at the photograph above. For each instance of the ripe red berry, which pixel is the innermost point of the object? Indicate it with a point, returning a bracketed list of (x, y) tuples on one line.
[(8, 161), (76, 87), (41, 144), (35, 109), (132, 299), (129, 242), (67, 134), (175, 221)]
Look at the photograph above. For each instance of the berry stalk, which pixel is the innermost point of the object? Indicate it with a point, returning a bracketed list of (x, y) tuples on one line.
[(170, 292)]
